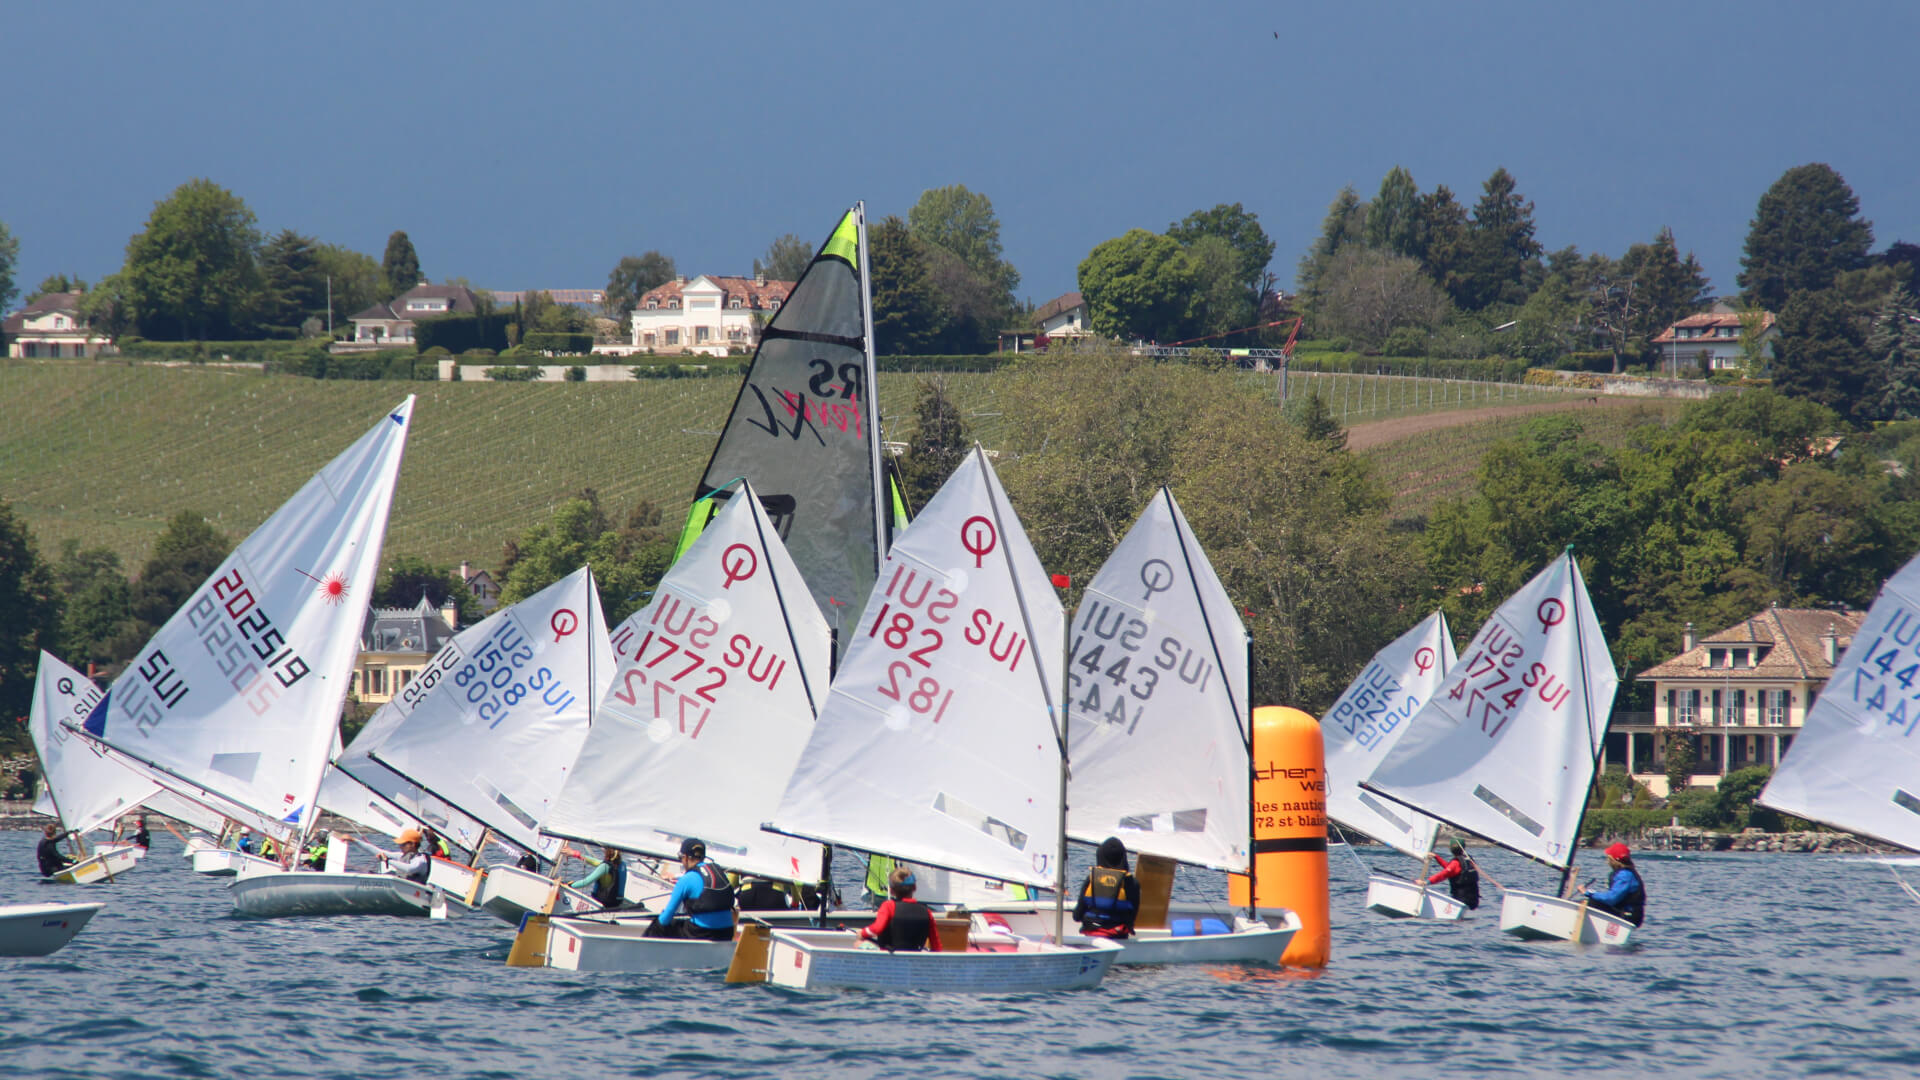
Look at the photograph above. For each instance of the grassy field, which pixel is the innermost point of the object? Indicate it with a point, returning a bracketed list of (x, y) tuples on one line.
[(106, 453)]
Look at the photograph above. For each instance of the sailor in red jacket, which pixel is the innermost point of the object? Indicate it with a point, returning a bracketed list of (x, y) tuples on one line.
[(1460, 874), (902, 922)]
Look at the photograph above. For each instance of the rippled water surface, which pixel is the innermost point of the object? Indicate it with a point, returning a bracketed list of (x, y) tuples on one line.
[(1750, 965)]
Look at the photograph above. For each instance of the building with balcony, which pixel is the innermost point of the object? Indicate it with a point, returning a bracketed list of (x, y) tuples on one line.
[(51, 326), (708, 315), (1714, 334), (396, 646), (1740, 695)]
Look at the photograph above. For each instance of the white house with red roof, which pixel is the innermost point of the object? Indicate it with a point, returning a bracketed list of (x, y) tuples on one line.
[(51, 326), (1715, 333), (709, 314), (389, 324)]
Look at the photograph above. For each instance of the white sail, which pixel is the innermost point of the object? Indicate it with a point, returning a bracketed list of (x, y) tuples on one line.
[(937, 743), (1157, 716), (363, 790), (714, 696), (84, 787), (1855, 763), (1506, 747), (495, 721), (168, 804), (1370, 718), (235, 700)]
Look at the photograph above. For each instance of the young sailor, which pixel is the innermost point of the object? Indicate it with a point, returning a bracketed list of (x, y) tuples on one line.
[(409, 862), (607, 881), (703, 894), (1461, 874), (1110, 899), (902, 923), (316, 854), (244, 841), (1626, 894), (52, 860), (141, 837)]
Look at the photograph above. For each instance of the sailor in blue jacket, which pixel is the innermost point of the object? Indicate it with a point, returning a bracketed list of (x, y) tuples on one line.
[(1626, 894), (703, 894)]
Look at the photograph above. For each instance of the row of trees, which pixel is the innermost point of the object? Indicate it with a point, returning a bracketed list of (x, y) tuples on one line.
[(1205, 277)]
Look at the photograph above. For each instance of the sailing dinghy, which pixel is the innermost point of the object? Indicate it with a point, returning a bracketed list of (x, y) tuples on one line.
[(668, 726), (1508, 745), (1367, 720), (937, 745), (1855, 764), (85, 788), (41, 929), (234, 703), (1159, 735)]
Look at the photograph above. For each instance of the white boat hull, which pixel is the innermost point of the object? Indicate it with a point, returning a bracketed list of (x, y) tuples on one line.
[(1537, 917), (598, 945), (103, 865), (819, 960), (1397, 898), (277, 893), (41, 929), (1237, 940), (225, 862), (510, 893)]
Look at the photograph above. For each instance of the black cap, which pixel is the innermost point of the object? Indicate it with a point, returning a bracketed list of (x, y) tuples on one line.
[(693, 846)]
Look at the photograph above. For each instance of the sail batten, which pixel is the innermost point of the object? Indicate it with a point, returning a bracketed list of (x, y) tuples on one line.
[(1507, 746), (1155, 696), (1855, 764)]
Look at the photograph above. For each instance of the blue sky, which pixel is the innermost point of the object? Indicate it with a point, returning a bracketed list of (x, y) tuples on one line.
[(526, 145)]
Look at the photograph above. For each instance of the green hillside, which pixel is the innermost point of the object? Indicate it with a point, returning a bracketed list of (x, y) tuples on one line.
[(106, 453)]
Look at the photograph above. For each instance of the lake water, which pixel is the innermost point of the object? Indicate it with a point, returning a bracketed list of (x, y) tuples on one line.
[(1749, 966)]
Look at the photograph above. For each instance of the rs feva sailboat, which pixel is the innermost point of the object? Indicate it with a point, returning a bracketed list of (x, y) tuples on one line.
[(489, 727), (85, 788), (1855, 764), (1158, 733), (938, 745), (1366, 722), (234, 703), (1508, 745), (717, 681)]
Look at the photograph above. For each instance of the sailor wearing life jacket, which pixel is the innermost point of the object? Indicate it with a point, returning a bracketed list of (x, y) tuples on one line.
[(902, 923), (1626, 894), (703, 894), (607, 881), (1110, 899), (1460, 873), (409, 862)]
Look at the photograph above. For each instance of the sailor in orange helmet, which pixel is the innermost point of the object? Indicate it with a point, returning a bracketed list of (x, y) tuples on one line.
[(1626, 895)]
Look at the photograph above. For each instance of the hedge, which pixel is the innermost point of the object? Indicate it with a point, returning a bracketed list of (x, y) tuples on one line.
[(386, 364), (247, 352), (1624, 821), (975, 362), (461, 333), (553, 341), (1487, 369)]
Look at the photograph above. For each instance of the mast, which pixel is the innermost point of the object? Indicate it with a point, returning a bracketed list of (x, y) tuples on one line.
[(872, 404), (1586, 700), (1253, 858)]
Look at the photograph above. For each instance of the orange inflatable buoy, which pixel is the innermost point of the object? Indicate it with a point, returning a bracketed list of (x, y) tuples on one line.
[(1290, 829)]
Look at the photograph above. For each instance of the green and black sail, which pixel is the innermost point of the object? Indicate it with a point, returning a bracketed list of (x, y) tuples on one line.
[(805, 429)]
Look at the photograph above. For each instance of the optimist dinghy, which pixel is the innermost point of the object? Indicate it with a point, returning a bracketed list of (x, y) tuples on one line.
[(41, 929), (1509, 743), (85, 789)]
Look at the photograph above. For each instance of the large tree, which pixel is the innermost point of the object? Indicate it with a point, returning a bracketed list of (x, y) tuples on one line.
[(401, 264), (9, 255), (1393, 218), (627, 561), (407, 579), (98, 603), (1345, 223), (1821, 354), (963, 222), (1237, 227), (908, 315), (1502, 257), (1805, 234), (30, 598), (1140, 285), (351, 281), (185, 554), (294, 284), (1366, 294), (633, 278), (1894, 343), (786, 258), (194, 271), (937, 444)]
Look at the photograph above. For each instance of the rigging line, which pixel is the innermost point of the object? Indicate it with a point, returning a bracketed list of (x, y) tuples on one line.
[(1912, 893), (1365, 867)]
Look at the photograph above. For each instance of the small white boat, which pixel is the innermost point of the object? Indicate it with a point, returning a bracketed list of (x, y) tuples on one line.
[(1398, 898), (41, 929), (226, 862), (1208, 937), (835, 960), (1537, 917), (196, 844), (276, 893), (104, 864), (510, 893), (618, 942)]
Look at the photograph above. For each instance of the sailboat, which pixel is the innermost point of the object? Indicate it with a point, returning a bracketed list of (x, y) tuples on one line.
[(718, 676), (489, 727), (1854, 764), (1360, 728), (233, 704), (938, 745), (42, 929), (805, 429), (1159, 732), (85, 789), (1508, 745)]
